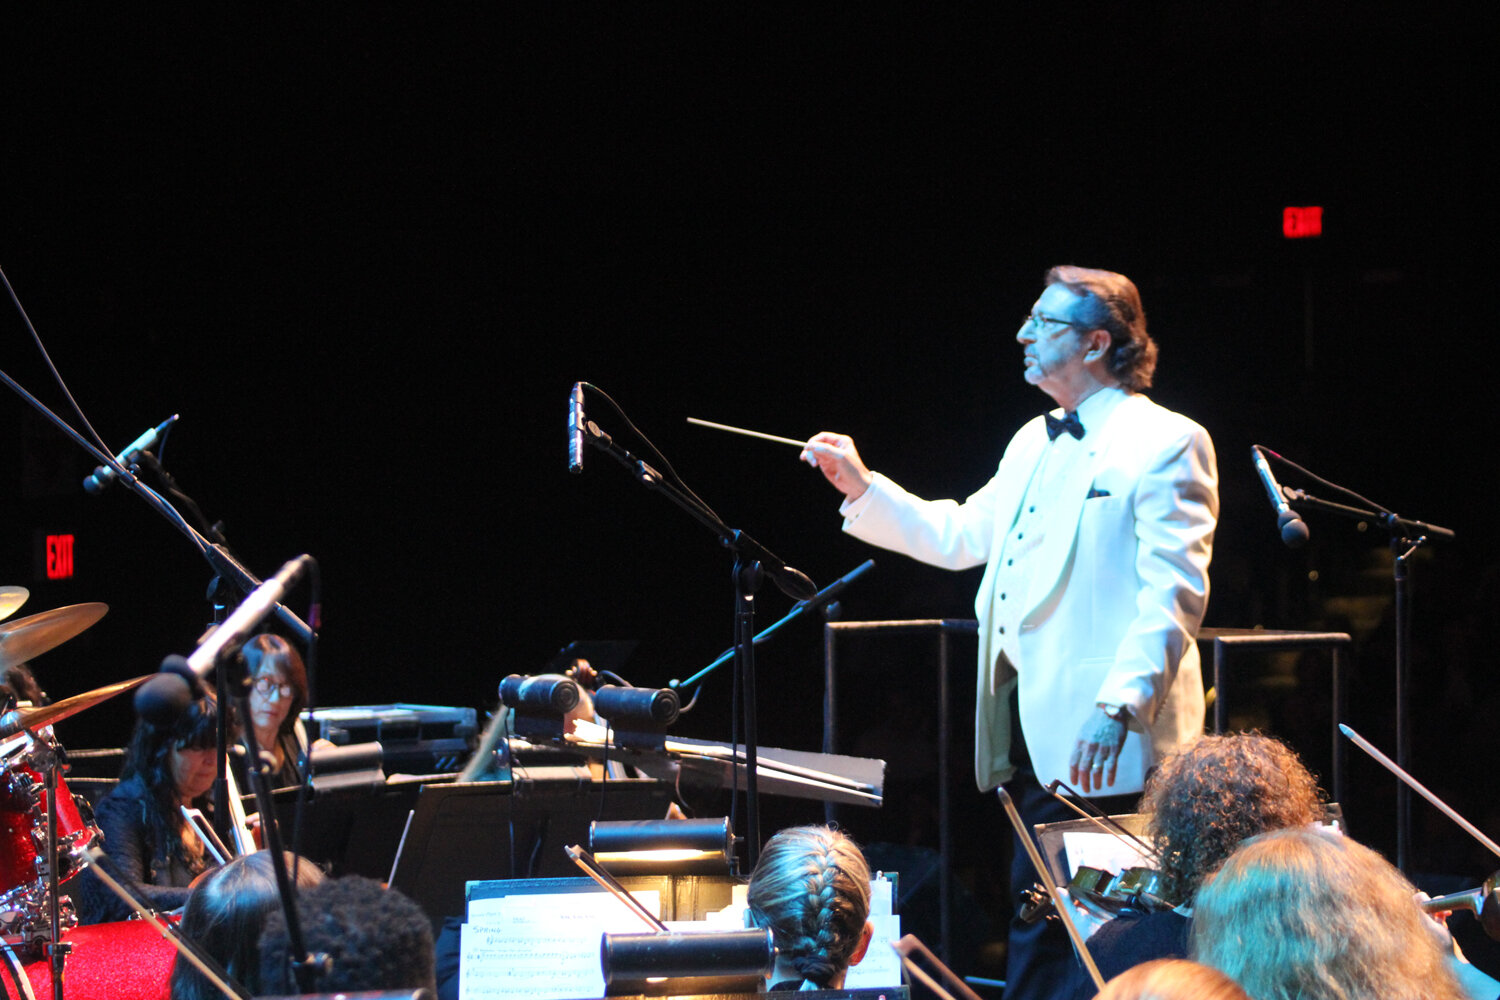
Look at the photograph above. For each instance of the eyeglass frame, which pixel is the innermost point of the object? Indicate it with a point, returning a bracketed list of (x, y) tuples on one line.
[(263, 686), (1037, 322)]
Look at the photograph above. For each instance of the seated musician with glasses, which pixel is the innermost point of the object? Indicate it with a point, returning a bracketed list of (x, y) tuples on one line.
[(278, 693)]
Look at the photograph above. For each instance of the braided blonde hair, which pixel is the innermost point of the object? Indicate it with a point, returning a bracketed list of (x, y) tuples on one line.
[(811, 887)]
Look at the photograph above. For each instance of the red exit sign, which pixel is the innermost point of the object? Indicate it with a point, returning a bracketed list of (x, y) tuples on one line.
[(59, 557), (1302, 222)]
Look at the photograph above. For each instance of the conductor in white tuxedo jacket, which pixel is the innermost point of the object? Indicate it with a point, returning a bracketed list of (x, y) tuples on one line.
[(1095, 534)]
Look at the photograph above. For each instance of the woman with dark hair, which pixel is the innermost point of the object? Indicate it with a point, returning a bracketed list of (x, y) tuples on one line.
[(811, 887), (225, 916), (278, 693), (151, 848)]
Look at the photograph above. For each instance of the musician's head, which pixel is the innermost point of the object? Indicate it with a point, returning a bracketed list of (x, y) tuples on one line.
[(375, 939), (174, 757), (18, 684), (1307, 914), (1206, 799), (811, 887), (1111, 302), (225, 914), (278, 684), (1172, 979)]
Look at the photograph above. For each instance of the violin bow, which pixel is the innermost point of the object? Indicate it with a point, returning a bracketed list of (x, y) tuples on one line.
[(1099, 818), (1419, 788), (1050, 886)]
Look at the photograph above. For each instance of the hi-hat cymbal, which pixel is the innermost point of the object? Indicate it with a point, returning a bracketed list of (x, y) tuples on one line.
[(31, 718), (11, 599), (30, 637)]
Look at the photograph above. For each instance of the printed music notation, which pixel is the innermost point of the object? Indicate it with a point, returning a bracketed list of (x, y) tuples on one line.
[(540, 946)]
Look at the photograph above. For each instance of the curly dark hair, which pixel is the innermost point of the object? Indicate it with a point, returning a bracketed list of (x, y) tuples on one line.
[(375, 938), (224, 915), (1206, 799)]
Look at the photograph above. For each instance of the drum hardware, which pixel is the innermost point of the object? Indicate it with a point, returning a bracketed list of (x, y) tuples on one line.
[(27, 638), (48, 846), (24, 806)]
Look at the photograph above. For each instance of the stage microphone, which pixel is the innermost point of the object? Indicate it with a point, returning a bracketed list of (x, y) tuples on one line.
[(575, 429), (244, 620), (1293, 531), (166, 697), (105, 474)]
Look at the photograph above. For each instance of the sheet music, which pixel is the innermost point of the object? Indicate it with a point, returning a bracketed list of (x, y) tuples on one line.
[(1102, 850), (541, 946), (881, 965)]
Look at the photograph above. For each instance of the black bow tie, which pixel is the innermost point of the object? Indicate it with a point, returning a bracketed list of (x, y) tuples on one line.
[(1069, 423)]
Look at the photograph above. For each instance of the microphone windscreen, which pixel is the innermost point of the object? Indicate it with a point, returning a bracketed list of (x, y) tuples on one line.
[(163, 699), (178, 664), (1294, 532)]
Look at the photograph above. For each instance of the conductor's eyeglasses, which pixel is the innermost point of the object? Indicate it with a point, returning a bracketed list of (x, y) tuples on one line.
[(1037, 321)]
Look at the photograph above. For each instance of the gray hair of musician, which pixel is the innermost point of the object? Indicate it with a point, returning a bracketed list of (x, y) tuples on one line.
[(1302, 914), (811, 887)]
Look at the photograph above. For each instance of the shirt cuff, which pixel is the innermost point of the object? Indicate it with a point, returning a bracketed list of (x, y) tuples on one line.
[(852, 509)]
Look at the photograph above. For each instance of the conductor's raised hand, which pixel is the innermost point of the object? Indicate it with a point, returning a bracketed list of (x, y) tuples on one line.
[(836, 457)]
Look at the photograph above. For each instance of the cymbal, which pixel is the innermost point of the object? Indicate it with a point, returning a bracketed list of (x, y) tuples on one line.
[(30, 637), (11, 599), (30, 718)]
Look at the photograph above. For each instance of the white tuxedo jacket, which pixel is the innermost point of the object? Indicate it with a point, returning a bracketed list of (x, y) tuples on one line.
[(1117, 590)]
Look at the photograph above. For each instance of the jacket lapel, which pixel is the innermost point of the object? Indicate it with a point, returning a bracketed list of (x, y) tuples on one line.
[(1062, 527)]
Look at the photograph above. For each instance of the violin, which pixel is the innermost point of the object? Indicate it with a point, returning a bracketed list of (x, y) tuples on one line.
[(1106, 894), (1138, 888), (1482, 901)]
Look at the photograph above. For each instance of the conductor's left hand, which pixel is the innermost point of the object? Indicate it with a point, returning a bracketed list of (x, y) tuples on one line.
[(1096, 753)]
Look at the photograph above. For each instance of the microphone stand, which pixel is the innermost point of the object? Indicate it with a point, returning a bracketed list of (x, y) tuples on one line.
[(821, 599), (304, 965), (752, 562), (1406, 537), (224, 564)]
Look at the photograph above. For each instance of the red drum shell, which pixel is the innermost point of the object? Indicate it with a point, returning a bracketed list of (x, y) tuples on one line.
[(123, 961), (23, 827)]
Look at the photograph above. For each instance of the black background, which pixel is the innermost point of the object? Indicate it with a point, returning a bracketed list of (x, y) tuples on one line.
[(365, 252)]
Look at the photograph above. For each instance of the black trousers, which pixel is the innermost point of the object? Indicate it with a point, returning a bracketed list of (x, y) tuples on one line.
[(1039, 962)]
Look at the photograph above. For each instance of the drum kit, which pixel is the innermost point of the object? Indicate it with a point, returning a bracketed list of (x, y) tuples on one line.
[(31, 761)]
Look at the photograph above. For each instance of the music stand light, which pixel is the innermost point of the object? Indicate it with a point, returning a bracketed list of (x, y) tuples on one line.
[(676, 964), (664, 846)]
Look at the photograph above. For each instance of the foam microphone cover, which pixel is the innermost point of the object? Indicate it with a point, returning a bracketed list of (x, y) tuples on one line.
[(163, 699), (1294, 531)]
